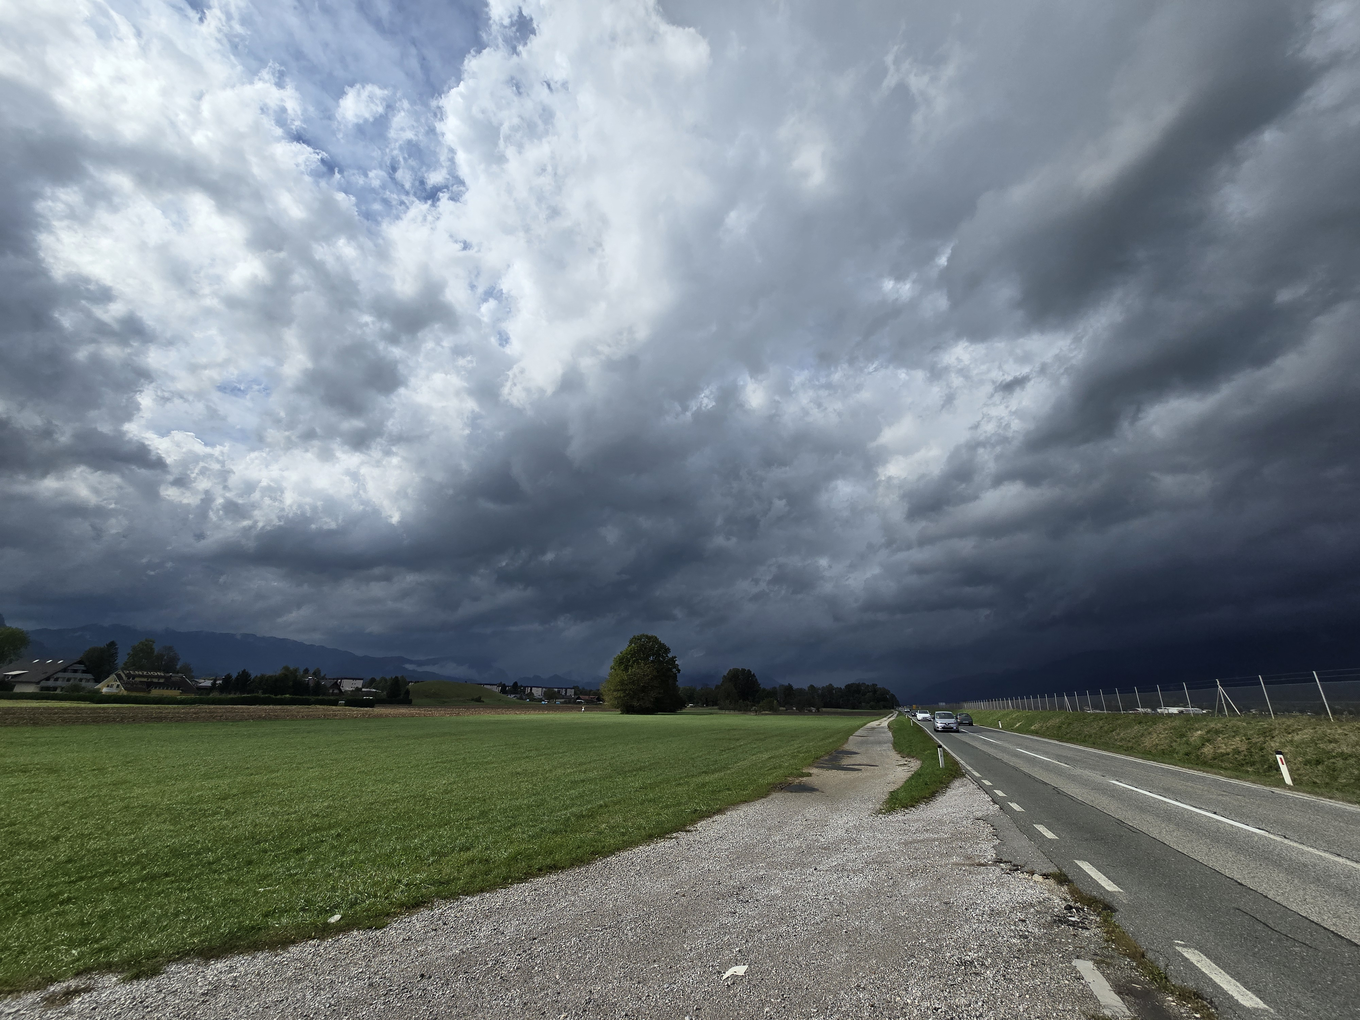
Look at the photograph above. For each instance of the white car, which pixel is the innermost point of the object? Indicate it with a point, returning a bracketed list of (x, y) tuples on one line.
[(946, 723), (923, 714)]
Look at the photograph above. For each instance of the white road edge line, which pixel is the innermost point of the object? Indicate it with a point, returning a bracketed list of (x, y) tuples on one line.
[(1110, 1003), (1297, 794), (1015, 805), (1241, 825), (1223, 979), (1045, 831), (1091, 870)]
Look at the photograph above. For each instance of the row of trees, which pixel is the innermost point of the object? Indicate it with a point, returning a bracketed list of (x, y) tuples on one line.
[(303, 683), (102, 660), (644, 679), (740, 689)]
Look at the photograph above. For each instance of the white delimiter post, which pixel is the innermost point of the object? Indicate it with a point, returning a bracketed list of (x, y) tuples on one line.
[(1284, 769), (1324, 697)]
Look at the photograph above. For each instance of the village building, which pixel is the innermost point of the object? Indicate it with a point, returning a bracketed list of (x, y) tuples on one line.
[(147, 681), (33, 675), (517, 690)]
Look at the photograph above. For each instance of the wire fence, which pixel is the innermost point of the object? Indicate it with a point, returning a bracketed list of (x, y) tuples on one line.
[(1333, 693)]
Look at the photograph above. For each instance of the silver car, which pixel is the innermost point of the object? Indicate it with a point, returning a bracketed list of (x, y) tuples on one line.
[(946, 723)]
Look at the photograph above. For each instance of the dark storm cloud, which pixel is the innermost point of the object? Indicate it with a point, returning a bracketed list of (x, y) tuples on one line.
[(835, 345)]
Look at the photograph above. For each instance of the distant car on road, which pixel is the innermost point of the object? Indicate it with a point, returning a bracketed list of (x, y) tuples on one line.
[(946, 722), (964, 719), (923, 714)]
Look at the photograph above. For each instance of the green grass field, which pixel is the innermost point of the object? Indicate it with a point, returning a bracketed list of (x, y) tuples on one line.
[(130, 845), (911, 741), (1323, 756)]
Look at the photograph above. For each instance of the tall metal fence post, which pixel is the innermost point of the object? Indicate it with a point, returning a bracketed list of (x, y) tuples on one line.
[(1103, 707), (1187, 695), (1226, 700), (1120, 700), (1267, 694), (1324, 698), (1160, 700), (1140, 700)]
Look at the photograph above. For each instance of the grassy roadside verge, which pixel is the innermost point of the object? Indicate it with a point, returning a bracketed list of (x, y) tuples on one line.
[(1323, 756), (1121, 942), (910, 741), (142, 843)]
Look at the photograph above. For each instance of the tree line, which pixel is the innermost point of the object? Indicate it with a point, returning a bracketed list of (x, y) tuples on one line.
[(644, 679), (146, 656), (304, 683), (747, 693)]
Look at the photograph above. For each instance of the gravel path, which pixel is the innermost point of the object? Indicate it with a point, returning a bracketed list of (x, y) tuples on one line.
[(834, 910)]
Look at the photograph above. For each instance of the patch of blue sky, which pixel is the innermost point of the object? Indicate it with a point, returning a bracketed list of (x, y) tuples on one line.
[(413, 51), (244, 388)]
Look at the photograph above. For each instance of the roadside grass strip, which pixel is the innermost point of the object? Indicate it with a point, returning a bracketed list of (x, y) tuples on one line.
[(1323, 756), (911, 741), (1222, 978), (1110, 1003), (1095, 873), (1123, 943), (138, 844)]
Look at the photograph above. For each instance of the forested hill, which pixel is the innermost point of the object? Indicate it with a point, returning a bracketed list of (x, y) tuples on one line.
[(212, 653)]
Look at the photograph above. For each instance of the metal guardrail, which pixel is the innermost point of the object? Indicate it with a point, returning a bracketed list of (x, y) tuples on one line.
[(1332, 693)]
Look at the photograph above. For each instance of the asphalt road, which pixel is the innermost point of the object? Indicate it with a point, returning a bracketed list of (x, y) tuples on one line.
[(1248, 894)]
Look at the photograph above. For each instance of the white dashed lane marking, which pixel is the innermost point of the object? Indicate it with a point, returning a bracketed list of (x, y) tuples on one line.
[(1091, 870), (985, 783), (1110, 1003), (1016, 806), (998, 793), (1221, 977), (1045, 831)]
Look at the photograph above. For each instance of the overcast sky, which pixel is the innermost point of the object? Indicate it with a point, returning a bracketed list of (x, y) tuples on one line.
[(832, 340)]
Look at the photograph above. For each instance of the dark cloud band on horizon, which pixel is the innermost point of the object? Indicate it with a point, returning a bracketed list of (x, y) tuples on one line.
[(835, 345)]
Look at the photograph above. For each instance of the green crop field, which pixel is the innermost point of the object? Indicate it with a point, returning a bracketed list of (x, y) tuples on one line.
[(1323, 756), (130, 845)]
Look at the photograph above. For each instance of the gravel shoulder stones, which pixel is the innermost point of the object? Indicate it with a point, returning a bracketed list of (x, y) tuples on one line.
[(833, 910)]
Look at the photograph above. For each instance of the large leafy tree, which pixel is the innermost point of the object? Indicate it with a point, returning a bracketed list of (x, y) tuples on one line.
[(101, 660), (145, 655), (12, 642), (142, 655), (739, 685), (643, 678)]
